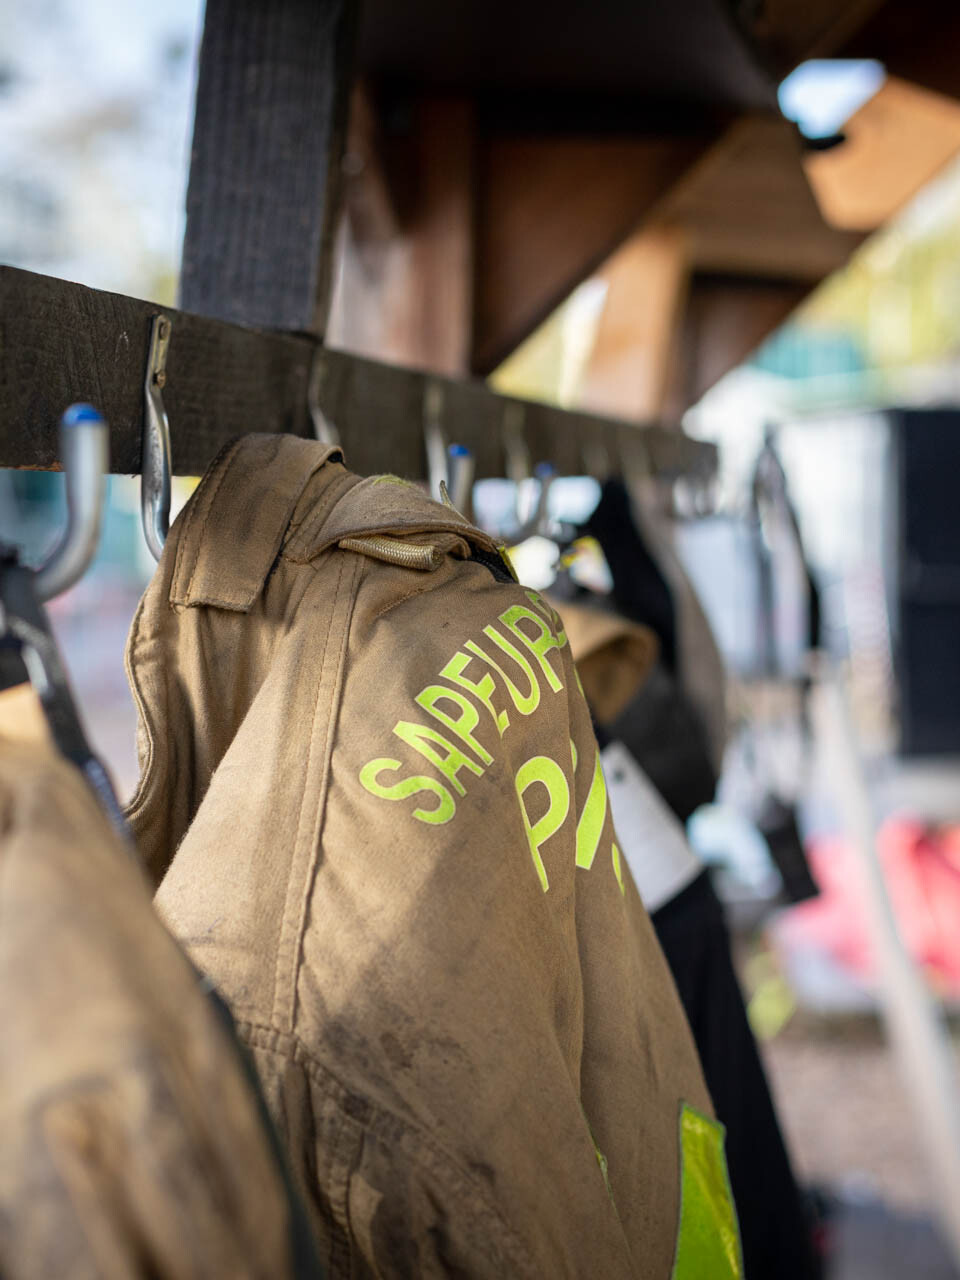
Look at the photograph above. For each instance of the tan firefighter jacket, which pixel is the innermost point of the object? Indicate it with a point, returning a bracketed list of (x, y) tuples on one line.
[(130, 1141), (613, 656), (372, 801)]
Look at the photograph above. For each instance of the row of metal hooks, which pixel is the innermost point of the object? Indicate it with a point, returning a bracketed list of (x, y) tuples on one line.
[(84, 446)]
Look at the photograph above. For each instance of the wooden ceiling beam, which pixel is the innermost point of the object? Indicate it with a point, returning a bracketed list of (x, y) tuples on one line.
[(550, 211), (637, 336)]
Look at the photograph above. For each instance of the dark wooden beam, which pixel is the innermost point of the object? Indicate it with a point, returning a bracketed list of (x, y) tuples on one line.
[(635, 345), (551, 210), (725, 318), (62, 342), (404, 290), (916, 41), (262, 202), (785, 32), (747, 208)]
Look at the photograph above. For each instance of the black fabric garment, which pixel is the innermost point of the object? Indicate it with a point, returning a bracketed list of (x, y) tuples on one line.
[(774, 1228), (640, 591), (662, 731)]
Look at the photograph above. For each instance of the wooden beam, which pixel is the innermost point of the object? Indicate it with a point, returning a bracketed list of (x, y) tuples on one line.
[(262, 201), (637, 336), (404, 289), (551, 210), (725, 318), (62, 342), (786, 32), (895, 144), (915, 41), (748, 209)]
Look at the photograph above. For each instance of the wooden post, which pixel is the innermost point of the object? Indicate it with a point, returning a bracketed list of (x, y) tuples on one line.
[(404, 289), (725, 318), (636, 340), (270, 121)]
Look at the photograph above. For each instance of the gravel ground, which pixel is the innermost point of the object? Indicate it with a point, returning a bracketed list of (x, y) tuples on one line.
[(844, 1111)]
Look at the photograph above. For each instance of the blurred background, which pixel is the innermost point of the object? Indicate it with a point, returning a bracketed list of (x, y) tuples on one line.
[(805, 317)]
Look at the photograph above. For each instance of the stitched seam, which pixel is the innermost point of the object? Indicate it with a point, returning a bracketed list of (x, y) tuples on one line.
[(415, 591), (289, 949), (208, 507), (281, 948), (333, 715), (198, 497), (297, 547), (343, 485), (379, 1121)]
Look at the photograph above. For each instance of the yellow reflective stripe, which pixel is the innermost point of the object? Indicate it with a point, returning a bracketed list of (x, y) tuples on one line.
[(590, 826), (708, 1239), (618, 870)]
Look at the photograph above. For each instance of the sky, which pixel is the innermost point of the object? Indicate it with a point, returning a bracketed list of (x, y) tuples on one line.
[(95, 119)]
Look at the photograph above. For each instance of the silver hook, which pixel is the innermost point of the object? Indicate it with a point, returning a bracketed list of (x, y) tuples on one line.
[(85, 449), (460, 469), (434, 440), (323, 428), (539, 522), (155, 464), (546, 473), (515, 444), (635, 462), (517, 457), (518, 470), (596, 459)]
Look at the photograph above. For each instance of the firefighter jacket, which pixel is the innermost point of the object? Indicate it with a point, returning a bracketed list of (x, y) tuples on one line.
[(131, 1142), (372, 800)]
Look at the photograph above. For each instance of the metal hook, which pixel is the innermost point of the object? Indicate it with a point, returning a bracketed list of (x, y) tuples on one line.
[(635, 462), (460, 470), (518, 470), (596, 459), (85, 449), (433, 439), (517, 458), (546, 473), (323, 428), (515, 444), (539, 523), (155, 464)]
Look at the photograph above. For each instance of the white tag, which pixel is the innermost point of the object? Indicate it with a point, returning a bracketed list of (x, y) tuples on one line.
[(651, 838)]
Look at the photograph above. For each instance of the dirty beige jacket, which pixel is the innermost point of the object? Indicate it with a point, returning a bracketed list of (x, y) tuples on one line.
[(372, 801), (613, 656), (130, 1142)]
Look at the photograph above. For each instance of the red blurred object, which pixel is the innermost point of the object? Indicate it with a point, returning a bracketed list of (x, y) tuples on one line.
[(921, 867)]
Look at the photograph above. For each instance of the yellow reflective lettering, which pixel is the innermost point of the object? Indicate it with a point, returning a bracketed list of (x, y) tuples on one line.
[(618, 869), (407, 787), (590, 826), (481, 689), (526, 703), (540, 645), (420, 738), (463, 725), (549, 774), (550, 614)]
